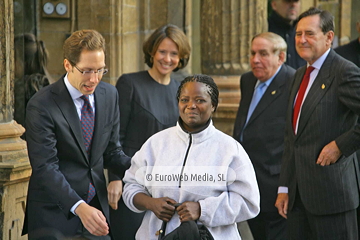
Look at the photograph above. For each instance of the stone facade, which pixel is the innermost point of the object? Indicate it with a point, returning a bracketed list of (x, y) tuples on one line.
[(226, 32), (125, 24), (14, 164), (219, 31)]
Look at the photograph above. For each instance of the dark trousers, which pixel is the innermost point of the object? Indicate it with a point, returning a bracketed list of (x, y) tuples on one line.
[(83, 234), (268, 226), (124, 222), (358, 220), (302, 225)]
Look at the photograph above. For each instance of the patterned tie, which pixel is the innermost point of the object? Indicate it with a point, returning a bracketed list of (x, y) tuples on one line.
[(87, 126), (300, 97), (87, 122)]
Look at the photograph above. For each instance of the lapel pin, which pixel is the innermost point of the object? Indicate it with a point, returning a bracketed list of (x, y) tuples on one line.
[(273, 92), (323, 86)]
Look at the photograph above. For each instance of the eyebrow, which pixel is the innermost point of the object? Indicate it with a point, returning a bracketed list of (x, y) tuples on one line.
[(87, 68)]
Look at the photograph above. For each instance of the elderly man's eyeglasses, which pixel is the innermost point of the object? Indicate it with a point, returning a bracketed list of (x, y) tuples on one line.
[(101, 71)]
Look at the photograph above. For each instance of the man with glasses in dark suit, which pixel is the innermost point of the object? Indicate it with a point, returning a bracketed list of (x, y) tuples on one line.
[(72, 135)]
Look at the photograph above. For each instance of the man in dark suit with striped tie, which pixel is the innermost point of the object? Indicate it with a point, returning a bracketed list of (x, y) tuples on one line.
[(260, 124), (72, 133), (319, 188)]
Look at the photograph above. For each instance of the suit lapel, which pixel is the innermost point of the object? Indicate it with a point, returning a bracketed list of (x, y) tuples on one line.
[(246, 100), (320, 86), (100, 115), (67, 107), (272, 92), (294, 90)]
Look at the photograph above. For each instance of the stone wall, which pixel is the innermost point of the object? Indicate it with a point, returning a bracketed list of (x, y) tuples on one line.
[(219, 32), (125, 24)]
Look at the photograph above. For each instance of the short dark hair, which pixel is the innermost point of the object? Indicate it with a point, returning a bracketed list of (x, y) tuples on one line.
[(326, 18), (213, 90), (90, 40), (176, 35)]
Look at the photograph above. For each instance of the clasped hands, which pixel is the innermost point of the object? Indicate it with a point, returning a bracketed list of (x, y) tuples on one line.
[(164, 208)]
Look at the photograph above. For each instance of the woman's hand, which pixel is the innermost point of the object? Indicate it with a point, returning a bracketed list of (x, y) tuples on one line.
[(189, 211), (162, 207)]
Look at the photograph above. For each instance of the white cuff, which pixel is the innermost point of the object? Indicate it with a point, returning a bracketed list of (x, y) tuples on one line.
[(283, 189), (75, 206)]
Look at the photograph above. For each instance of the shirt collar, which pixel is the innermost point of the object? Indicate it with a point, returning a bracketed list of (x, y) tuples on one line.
[(74, 93), (268, 82), (318, 63)]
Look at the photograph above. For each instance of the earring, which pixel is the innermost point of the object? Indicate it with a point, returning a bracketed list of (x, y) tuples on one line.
[(180, 63)]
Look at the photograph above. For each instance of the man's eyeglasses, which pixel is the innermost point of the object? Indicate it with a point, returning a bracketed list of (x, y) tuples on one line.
[(101, 71)]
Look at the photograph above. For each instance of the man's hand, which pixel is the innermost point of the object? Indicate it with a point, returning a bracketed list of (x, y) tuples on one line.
[(189, 211), (329, 154), (281, 203), (92, 219), (114, 193)]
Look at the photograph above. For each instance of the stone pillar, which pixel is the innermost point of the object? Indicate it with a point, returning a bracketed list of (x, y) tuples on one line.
[(227, 28), (14, 165), (226, 31), (107, 17)]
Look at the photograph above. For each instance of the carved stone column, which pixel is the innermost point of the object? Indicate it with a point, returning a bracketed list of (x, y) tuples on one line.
[(14, 165), (227, 28)]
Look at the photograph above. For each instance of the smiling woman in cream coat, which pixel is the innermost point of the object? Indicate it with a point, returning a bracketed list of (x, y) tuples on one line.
[(218, 187)]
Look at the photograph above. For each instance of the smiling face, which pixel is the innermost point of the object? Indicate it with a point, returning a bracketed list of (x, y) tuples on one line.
[(88, 61), (166, 57), (195, 106), (311, 43), (264, 62)]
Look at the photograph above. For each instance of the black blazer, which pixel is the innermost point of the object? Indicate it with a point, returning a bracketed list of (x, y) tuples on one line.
[(61, 169), (350, 51), (263, 136), (282, 27), (329, 112)]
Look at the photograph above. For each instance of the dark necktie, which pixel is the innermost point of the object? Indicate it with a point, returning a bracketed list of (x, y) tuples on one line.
[(300, 97), (87, 126), (87, 122)]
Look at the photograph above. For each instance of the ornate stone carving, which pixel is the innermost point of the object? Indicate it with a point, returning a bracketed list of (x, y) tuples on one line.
[(226, 31), (14, 165)]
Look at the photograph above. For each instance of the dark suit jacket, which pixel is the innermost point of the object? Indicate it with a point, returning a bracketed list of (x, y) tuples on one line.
[(329, 112), (350, 51), (263, 136), (61, 169)]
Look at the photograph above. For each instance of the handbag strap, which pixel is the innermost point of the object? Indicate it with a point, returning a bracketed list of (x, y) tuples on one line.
[(161, 231)]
